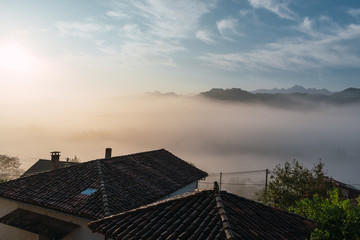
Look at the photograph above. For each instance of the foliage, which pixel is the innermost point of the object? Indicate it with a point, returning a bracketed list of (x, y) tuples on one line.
[(9, 167), (75, 159), (335, 218), (293, 182)]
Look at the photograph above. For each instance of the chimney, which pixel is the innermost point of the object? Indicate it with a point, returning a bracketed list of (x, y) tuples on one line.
[(55, 160), (107, 153)]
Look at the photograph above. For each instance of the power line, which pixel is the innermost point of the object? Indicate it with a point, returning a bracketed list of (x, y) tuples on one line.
[(241, 184), (24, 156), (241, 172)]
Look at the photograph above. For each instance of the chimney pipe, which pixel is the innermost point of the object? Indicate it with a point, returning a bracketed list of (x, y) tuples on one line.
[(107, 153), (55, 160)]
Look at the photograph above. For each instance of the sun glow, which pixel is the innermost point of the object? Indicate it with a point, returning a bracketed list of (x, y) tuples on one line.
[(15, 59)]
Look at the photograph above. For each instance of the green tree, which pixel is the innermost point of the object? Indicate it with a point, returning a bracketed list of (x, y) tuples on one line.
[(335, 218), (293, 182), (9, 167)]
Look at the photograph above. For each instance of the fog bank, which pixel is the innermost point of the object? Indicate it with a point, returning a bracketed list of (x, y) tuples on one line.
[(214, 136)]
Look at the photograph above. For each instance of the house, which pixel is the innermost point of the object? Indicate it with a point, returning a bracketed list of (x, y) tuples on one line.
[(347, 191), (205, 214), (58, 204), (43, 165)]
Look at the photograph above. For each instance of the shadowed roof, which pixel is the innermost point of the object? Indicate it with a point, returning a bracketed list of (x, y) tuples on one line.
[(205, 215), (101, 187), (43, 165)]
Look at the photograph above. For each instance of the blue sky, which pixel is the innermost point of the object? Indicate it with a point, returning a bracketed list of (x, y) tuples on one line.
[(102, 48)]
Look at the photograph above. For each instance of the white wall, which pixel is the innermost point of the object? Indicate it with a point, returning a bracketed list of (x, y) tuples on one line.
[(12, 233), (188, 188)]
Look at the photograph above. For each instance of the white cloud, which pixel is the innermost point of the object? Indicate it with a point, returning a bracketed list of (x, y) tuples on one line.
[(134, 55), (244, 12), (84, 30), (354, 12), (205, 37), (324, 18), (227, 28), (295, 54), (279, 7), (117, 14), (167, 19), (306, 24), (148, 32), (131, 31)]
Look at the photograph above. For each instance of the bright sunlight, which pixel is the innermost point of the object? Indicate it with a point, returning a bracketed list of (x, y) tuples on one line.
[(15, 59)]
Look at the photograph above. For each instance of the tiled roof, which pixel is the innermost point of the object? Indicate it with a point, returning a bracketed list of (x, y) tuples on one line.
[(43, 165), (345, 186), (101, 187), (205, 215), (352, 192)]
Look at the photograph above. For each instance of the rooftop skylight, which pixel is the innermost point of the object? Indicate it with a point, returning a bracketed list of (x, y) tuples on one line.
[(89, 191)]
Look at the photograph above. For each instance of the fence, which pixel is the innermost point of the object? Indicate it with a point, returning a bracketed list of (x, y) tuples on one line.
[(246, 183)]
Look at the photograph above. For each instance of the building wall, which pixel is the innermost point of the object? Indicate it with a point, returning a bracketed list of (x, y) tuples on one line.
[(8, 232), (188, 188)]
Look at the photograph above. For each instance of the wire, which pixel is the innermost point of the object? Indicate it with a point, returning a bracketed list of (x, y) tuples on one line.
[(243, 184), (242, 172), (18, 154)]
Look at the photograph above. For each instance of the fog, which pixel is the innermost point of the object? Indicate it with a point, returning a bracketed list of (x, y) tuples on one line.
[(215, 136)]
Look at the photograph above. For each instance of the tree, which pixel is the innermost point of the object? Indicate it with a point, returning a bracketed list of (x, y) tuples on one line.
[(335, 218), (293, 182), (9, 167), (75, 159)]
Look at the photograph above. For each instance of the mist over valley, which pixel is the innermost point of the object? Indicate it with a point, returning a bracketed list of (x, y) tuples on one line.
[(216, 136)]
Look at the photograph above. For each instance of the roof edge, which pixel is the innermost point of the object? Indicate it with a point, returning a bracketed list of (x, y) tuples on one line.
[(133, 154), (148, 206)]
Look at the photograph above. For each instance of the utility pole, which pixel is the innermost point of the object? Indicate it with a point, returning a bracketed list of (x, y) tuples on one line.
[(220, 179), (266, 182)]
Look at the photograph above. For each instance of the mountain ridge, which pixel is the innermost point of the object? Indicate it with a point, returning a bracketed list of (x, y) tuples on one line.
[(287, 100), (294, 89)]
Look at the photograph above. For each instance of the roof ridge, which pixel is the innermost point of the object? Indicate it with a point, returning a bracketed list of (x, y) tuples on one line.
[(102, 189), (224, 219), (48, 160), (140, 153)]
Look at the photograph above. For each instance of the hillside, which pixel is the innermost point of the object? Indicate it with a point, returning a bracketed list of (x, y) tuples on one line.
[(298, 99), (294, 89)]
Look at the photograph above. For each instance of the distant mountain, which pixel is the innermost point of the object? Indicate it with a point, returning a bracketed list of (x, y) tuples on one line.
[(294, 89), (233, 94), (158, 93), (349, 95), (287, 100)]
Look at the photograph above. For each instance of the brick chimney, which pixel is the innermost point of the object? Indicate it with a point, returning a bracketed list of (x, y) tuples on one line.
[(55, 160), (107, 153)]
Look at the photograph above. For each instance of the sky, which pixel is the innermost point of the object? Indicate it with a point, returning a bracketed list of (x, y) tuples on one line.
[(99, 48), (73, 76)]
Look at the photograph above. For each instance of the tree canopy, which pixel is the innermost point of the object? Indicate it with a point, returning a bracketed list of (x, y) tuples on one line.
[(292, 182), (335, 218), (9, 167)]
